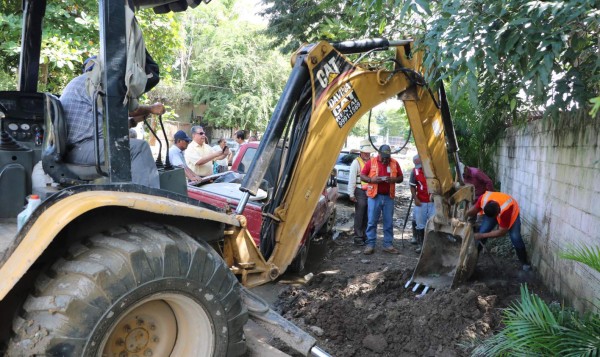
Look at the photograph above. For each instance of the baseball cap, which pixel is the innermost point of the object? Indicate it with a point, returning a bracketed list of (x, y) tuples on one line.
[(181, 135), (417, 161), (88, 64), (385, 152)]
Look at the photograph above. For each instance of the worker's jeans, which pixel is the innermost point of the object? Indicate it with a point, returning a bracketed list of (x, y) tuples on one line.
[(514, 232), (422, 214), (377, 205), (143, 166)]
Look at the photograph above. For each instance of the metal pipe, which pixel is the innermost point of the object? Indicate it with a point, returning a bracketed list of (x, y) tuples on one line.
[(242, 204), (317, 352), (456, 162), (361, 46)]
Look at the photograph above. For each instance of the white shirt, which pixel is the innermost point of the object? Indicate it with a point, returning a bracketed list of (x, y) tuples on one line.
[(176, 157), (222, 162), (352, 179)]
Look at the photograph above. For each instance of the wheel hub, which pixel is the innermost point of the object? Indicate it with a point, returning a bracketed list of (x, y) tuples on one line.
[(137, 333), (137, 340)]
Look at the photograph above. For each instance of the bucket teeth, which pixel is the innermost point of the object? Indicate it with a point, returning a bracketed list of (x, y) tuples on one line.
[(407, 284), (416, 287), (422, 294)]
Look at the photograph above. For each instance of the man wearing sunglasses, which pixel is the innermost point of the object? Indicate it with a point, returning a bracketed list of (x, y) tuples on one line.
[(199, 155)]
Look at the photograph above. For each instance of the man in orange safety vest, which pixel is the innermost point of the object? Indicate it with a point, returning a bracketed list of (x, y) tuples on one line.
[(381, 174), (500, 209)]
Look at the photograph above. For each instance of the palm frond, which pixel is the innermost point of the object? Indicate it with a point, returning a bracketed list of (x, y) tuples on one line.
[(589, 256), (534, 328)]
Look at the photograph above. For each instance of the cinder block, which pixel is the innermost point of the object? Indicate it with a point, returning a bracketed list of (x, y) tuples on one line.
[(583, 199), (544, 154), (595, 204), (574, 222), (586, 177), (561, 173), (564, 191), (591, 135)]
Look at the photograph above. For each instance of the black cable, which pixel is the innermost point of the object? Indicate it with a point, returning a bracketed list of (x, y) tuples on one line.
[(159, 163), (371, 139), (168, 165), (414, 77)]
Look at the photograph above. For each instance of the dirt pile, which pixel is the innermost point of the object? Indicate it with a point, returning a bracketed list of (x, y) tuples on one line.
[(357, 305), (373, 314)]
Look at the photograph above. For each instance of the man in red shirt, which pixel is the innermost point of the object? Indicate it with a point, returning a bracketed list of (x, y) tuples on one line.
[(500, 209), (381, 174), (424, 207), (477, 178)]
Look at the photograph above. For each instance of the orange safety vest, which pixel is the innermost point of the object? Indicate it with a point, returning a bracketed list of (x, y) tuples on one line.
[(505, 202), (361, 164), (372, 187)]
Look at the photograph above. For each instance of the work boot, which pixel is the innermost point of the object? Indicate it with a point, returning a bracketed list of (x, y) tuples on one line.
[(359, 242), (522, 255), (391, 250), (369, 251), (414, 240), (420, 239)]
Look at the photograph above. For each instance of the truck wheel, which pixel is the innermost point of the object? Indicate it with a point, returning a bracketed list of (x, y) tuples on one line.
[(138, 290), (328, 226), (297, 265)]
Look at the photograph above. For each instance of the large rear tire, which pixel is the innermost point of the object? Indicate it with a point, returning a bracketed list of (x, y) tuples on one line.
[(142, 290)]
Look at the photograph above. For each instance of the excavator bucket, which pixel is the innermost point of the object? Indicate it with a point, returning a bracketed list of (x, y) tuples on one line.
[(448, 256)]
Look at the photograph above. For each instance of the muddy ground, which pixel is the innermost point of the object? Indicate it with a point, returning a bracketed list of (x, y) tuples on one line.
[(357, 305)]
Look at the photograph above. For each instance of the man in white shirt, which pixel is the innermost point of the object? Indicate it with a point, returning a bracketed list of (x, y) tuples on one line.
[(176, 156), (222, 165), (199, 155), (358, 193)]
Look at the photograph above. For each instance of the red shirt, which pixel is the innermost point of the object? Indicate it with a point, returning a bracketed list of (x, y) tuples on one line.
[(503, 218), (478, 179), (383, 170)]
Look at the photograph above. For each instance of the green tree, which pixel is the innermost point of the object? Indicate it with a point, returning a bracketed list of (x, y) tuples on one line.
[(393, 121), (70, 35), (234, 72), (519, 56)]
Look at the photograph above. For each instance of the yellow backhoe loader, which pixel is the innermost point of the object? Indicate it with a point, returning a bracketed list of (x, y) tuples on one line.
[(105, 267)]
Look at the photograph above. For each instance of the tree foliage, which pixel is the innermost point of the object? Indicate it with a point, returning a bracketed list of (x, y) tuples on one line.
[(234, 72), (522, 55), (70, 35)]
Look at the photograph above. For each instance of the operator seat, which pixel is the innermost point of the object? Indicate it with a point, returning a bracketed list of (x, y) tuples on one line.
[(55, 148)]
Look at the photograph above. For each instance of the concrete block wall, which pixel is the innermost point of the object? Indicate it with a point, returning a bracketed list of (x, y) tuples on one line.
[(553, 170)]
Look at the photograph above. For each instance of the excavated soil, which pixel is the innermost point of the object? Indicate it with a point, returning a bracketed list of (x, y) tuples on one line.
[(357, 305)]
